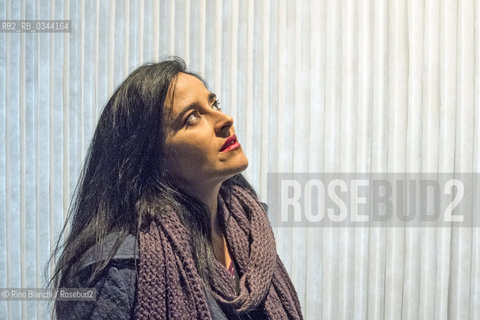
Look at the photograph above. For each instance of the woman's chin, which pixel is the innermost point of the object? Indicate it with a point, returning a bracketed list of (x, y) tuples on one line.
[(242, 165), (234, 170)]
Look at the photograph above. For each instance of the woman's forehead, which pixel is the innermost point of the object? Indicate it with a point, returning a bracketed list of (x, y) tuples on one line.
[(184, 90)]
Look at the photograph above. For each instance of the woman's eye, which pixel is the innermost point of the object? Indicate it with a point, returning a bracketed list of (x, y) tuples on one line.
[(216, 105), (191, 119)]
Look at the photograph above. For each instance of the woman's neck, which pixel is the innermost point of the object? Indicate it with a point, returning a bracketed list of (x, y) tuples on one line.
[(208, 195)]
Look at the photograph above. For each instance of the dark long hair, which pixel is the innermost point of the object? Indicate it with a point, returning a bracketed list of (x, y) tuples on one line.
[(124, 178)]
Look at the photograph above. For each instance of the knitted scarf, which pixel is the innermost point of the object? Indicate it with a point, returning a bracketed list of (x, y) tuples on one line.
[(169, 286)]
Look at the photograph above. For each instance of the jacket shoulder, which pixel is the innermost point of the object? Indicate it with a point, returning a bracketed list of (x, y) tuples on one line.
[(113, 289), (113, 294), (128, 249)]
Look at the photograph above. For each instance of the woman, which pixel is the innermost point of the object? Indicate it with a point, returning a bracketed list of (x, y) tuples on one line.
[(163, 223)]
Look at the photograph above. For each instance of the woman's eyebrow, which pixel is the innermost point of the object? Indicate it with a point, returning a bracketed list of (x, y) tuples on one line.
[(211, 98)]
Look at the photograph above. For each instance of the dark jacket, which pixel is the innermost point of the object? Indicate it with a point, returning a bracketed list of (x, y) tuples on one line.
[(115, 287)]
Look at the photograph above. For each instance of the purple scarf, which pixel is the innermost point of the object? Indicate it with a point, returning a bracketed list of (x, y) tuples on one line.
[(169, 286)]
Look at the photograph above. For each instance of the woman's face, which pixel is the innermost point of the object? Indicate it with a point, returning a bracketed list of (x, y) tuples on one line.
[(201, 147)]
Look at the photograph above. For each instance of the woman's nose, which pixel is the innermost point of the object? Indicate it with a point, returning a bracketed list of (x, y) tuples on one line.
[(223, 124)]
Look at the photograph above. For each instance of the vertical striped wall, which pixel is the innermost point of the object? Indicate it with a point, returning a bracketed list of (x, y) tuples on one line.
[(313, 86)]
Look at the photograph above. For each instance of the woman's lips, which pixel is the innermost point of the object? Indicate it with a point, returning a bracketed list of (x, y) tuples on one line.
[(231, 147), (231, 144)]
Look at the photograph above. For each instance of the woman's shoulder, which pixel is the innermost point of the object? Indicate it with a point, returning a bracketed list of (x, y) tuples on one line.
[(114, 287), (265, 206), (113, 296), (119, 273), (127, 250)]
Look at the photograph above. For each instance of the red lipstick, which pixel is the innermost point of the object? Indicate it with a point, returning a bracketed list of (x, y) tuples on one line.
[(231, 144)]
